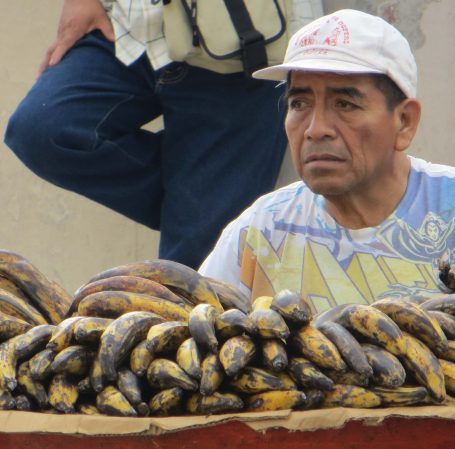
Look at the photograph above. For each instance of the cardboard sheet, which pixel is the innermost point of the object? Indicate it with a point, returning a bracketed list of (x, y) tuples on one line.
[(30, 422)]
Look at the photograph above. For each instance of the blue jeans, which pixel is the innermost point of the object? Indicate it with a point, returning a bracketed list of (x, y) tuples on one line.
[(223, 142)]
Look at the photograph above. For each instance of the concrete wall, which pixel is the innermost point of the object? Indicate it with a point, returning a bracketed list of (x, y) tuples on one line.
[(71, 238)]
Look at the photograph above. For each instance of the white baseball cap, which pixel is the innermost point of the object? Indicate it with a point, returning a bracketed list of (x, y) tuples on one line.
[(349, 41)]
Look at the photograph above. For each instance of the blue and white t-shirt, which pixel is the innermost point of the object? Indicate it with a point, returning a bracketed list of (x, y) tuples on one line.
[(286, 239)]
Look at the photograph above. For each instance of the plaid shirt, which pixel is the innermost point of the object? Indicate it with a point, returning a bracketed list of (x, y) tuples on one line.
[(138, 27)]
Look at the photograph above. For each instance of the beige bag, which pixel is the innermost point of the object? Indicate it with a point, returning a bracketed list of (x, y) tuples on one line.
[(205, 33)]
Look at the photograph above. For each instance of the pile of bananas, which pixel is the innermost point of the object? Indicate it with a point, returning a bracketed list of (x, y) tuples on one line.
[(156, 338)]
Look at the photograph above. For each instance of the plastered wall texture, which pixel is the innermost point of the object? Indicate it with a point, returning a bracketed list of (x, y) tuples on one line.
[(71, 238)]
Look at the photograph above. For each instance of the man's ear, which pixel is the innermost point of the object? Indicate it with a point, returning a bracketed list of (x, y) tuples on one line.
[(408, 118)]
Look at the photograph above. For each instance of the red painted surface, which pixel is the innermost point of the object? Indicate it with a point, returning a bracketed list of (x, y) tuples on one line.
[(393, 433)]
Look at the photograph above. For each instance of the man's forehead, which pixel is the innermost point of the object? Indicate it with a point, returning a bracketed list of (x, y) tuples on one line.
[(328, 79)]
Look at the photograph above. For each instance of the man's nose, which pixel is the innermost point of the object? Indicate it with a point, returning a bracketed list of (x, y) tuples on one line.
[(320, 124)]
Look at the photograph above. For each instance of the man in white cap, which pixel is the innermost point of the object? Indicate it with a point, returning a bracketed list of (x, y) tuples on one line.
[(367, 220)]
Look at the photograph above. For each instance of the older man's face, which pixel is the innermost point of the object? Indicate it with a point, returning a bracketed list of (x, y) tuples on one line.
[(341, 134)]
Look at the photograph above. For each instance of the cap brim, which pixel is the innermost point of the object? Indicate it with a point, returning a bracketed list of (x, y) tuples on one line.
[(279, 72)]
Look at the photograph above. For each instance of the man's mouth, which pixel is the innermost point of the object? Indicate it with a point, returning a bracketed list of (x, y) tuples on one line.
[(322, 157)]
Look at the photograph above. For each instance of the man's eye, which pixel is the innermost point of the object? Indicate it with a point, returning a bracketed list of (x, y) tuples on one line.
[(345, 105), (296, 105)]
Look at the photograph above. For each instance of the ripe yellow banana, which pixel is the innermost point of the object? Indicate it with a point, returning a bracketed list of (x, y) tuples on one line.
[(88, 330), (140, 358), (269, 324), (164, 373), (167, 402), (274, 355), (11, 326), (307, 375), (20, 308), (63, 334), (40, 364), (167, 336), (201, 324), (30, 386), (348, 347), (446, 321), (232, 322), (47, 296), (387, 368), (351, 396), (132, 284), (448, 368), (236, 353), (413, 319), (120, 337), (253, 380), (230, 296), (111, 401), (112, 304), (292, 307), (315, 346), (75, 360), (424, 366), (212, 375), (63, 393), (215, 403), (442, 303), (188, 357), (170, 274), (375, 325), (275, 400), (400, 396)]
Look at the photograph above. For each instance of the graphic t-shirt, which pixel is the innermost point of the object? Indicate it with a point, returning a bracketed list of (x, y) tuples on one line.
[(287, 240)]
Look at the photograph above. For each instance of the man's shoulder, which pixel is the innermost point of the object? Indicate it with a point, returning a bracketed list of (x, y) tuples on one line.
[(431, 169)]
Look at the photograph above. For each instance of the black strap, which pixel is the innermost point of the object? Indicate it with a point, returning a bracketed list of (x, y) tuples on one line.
[(252, 43)]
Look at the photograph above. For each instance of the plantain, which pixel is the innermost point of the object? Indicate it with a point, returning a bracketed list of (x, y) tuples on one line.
[(442, 303), (413, 319), (32, 341), (201, 324), (75, 360), (332, 314), (253, 380), (112, 304), (348, 347), (111, 401), (20, 308), (63, 393), (400, 396), (449, 354), (212, 374), (167, 336), (424, 366), (7, 401), (232, 322), (62, 336), (287, 381), (274, 355), (88, 330), (349, 377), (236, 353), (28, 385), (164, 373), (20, 402), (86, 408), (167, 402), (133, 284), (84, 386), (262, 303), (47, 296), (8, 361), (40, 364), (448, 369), (189, 358), (314, 399), (351, 396), (140, 358), (375, 325), (446, 321), (387, 368), (215, 403), (315, 346), (120, 337), (230, 296), (11, 287), (10, 326), (129, 385), (292, 307), (97, 377), (269, 324), (275, 400), (169, 274), (307, 375)]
